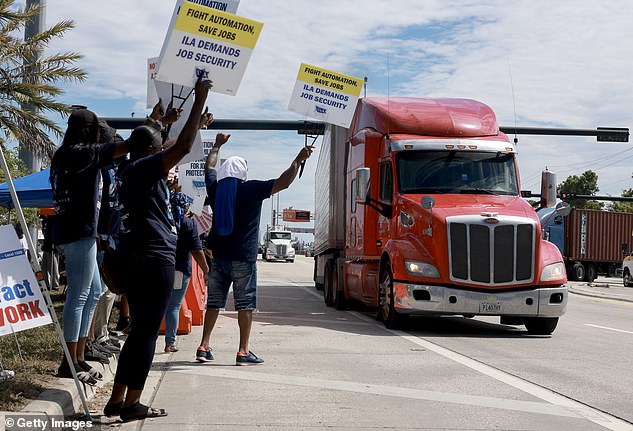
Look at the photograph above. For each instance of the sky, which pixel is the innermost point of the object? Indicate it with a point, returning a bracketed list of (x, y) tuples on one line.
[(563, 63)]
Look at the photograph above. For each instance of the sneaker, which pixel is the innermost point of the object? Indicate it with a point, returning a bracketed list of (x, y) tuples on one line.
[(92, 354), (204, 355), (109, 346), (250, 359), (113, 341), (101, 349)]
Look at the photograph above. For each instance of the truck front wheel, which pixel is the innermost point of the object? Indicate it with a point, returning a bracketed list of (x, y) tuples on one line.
[(627, 280), (386, 310), (328, 293), (540, 325), (591, 273), (577, 272)]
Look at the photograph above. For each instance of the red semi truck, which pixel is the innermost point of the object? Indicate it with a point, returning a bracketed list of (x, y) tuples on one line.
[(418, 211)]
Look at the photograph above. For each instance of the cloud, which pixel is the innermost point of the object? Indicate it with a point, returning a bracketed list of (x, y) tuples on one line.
[(569, 63)]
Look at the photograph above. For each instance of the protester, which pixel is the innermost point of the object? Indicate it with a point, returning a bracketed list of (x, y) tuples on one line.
[(188, 245), (75, 179), (233, 241), (108, 233), (146, 254)]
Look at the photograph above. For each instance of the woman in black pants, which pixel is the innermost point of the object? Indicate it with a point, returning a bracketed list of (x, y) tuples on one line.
[(147, 251)]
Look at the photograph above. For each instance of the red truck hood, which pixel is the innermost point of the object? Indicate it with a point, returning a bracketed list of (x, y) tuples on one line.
[(464, 204)]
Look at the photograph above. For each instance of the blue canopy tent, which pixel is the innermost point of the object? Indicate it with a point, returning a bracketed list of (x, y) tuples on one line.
[(34, 191)]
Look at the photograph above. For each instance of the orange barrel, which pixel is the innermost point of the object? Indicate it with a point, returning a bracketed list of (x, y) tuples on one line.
[(196, 296)]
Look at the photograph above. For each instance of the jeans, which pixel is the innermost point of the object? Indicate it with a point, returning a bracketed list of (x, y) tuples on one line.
[(83, 289), (172, 315), (243, 275)]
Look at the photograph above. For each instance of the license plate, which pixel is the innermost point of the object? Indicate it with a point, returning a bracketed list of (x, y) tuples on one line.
[(490, 307)]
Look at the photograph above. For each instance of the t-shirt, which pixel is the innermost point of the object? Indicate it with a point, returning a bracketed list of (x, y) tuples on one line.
[(147, 225), (75, 178), (241, 244), (188, 241)]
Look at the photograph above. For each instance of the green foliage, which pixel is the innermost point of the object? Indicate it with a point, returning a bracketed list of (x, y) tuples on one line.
[(623, 207), (27, 80), (17, 169), (585, 184)]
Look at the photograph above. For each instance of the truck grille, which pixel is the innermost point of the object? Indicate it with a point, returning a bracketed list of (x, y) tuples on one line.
[(281, 250), (491, 254)]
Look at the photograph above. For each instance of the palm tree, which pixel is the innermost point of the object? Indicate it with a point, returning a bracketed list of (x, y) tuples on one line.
[(28, 80)]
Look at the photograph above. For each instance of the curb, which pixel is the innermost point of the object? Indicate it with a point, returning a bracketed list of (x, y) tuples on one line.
[(582, 292), (64, 400)]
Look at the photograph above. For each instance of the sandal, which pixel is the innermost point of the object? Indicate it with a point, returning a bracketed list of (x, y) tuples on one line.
[(112, 409), (92, 371), (138, 411)]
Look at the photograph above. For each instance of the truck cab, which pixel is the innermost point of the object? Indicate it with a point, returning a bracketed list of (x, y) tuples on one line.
[(277, 245), (434, 220)]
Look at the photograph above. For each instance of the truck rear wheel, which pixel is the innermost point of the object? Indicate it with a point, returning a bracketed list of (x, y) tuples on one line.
[(540, 325), (577, 272), (338, 296), (627, 280), (591, 274), (386, 310)]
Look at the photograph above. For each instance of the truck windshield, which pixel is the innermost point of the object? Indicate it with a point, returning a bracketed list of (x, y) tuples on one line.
[(280, 235), (457, 172)]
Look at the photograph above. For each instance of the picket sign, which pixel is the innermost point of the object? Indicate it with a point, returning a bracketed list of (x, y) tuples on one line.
[(40, 285)]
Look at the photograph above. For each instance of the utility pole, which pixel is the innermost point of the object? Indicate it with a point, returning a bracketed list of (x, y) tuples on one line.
[(33, 27)]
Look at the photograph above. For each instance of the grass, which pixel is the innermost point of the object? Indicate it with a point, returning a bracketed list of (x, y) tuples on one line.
[(41, 354)]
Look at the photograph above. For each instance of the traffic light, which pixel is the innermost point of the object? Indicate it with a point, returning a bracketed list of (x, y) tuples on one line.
[(302, 215), (564, 195)]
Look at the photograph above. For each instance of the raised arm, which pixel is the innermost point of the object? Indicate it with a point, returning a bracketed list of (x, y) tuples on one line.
[(186, 138), (289, 175), (212, 158)]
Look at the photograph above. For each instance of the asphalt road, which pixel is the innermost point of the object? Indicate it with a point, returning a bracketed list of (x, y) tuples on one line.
[(342, 370)]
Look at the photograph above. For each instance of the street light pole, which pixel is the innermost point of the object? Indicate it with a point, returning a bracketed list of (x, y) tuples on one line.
[(32, 28)]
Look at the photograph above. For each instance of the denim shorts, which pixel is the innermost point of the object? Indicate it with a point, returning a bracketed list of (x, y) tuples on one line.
[(243, 275)]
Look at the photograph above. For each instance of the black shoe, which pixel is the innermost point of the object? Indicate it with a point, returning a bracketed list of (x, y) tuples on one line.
[(113, 341), (92, 354)]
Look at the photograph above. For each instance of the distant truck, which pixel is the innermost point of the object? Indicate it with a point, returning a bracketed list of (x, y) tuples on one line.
[(277, 245), (418, 211), (590, 241)]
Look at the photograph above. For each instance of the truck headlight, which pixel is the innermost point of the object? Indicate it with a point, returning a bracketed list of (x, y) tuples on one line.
[(553, 272), (423, 269)]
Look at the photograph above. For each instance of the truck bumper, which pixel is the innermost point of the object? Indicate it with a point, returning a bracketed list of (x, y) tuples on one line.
[(426, 299)]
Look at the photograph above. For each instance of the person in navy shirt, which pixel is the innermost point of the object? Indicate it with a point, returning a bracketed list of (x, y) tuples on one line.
[(147, 253), (233, 240), (75, 179)]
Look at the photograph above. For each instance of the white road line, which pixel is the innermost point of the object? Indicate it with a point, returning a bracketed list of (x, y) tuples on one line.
[(391, 391), (609, 329), (596, 416), (584, 411)]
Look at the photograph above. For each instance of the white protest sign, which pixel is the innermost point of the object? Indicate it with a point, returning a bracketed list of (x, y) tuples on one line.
[(152, 96), (191, 179), (213, 42), (22, 305), (325, 95)]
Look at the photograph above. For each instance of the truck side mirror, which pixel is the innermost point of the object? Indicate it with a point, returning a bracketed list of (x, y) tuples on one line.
[(563, 209), (362, 184)]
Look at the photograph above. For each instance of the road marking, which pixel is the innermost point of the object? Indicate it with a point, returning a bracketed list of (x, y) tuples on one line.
[(566, 404), (391, 391), (609, 329), (596, 416)]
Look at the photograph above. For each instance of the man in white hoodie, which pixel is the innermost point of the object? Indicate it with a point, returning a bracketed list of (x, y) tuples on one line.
[(237, 206)]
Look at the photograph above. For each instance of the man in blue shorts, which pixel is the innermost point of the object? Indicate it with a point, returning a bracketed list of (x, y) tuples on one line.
[(237, 207)]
